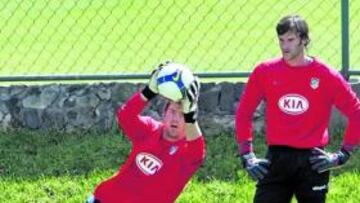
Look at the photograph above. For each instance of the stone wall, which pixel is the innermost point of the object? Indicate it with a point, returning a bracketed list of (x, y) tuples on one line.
[(85, 107)]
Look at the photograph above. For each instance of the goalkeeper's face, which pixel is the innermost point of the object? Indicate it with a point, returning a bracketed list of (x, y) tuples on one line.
[(292, 46), (174, 124)]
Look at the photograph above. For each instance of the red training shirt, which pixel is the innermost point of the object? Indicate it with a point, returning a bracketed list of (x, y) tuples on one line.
[(298, 104), (156, 170)]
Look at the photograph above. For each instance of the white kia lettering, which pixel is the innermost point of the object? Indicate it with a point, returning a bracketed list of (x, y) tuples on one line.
[(293, 104), (148, 163)]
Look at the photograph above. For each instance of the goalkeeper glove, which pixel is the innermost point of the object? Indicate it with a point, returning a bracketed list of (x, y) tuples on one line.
[(151, 89), (92, 199), (190, 102), (322, 161), (256, 168)]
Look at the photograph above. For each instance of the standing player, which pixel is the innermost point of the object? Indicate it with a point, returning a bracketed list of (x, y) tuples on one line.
[(164, 154), (299, 92)]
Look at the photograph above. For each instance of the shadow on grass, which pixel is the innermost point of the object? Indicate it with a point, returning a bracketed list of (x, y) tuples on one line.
[(32, 155)]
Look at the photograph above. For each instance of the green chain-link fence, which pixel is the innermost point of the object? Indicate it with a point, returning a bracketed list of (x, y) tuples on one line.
[(115, 37), (354, 29)]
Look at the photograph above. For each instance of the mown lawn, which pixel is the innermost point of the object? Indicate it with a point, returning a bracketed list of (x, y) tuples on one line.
[(51, 167)]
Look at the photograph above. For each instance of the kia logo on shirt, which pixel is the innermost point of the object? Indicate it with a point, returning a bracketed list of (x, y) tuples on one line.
[(148, 163), (293, 104)]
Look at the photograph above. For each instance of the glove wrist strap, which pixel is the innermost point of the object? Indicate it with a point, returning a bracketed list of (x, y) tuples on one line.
[(190, 117), (148, 93), (344, 155), (246, 157)]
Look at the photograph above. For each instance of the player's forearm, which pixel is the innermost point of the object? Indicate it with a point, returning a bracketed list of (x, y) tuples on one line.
[(243, 130), (348, 103), (243, 119), (245, 147), (352, 133), (192, 131), (131, 109)]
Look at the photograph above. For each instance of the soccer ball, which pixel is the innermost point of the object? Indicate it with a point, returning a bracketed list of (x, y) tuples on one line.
[(173, 80)]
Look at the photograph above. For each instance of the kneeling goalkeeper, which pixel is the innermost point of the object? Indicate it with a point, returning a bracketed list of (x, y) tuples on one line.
[(164, 154)]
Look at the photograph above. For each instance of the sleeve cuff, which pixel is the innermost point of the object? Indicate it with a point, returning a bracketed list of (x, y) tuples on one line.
[(245, 147), (348, 147)]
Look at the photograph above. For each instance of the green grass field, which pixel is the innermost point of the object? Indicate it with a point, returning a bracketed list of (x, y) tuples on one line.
[(54, 167), (114, 37)]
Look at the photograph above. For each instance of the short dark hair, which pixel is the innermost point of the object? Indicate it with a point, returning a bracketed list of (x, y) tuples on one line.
[(294, 23), (167, 105)]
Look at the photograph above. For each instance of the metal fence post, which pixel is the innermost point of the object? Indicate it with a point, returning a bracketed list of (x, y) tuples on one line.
[(345, 38)]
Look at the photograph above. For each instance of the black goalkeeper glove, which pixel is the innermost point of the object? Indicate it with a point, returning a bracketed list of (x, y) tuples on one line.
[(322, 161), (256, 168)]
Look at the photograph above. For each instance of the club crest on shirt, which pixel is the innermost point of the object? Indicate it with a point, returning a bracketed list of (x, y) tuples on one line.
[(173, 150), (314, 83), (148, 163)]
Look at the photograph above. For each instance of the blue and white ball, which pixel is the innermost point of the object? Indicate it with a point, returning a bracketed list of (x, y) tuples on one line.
[(173, 80)]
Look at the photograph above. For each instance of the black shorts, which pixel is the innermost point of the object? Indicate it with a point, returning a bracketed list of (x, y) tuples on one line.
[(290, 174)]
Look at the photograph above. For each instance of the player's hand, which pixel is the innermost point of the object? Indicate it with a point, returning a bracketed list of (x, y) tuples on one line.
[(190, 101), (153, 77), (257, 168), (151, 90), (322, 161)]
